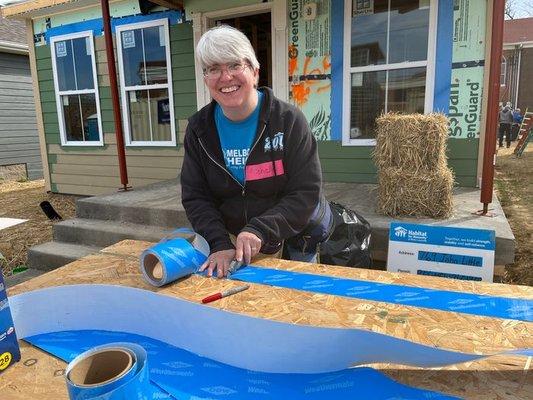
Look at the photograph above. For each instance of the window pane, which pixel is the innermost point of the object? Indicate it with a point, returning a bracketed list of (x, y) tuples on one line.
[(72, 115), (367, 103), (160, 114), (90, 117), (74, 64), (83, 63), (65, 65), (369, 32), (132, 57), (149, 109), (81, 118), (407, 89), (144, 65), (155, 55), (409, 27)]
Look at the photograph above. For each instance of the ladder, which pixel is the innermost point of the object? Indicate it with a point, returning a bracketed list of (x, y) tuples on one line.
[(524, 133)]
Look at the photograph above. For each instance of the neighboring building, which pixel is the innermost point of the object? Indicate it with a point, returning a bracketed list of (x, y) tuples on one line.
[(516, 85), (342, 62), (19, 140)]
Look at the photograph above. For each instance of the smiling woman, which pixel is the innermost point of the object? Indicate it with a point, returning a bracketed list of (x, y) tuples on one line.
[(251, 167)]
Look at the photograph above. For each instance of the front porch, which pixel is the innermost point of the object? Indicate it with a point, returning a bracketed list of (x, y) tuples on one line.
[(151, 212)]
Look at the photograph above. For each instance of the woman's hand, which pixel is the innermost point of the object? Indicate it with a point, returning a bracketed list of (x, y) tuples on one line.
[(220, 261), (247, 246)]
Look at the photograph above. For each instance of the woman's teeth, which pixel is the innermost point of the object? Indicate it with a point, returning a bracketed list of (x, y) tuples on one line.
[(229, 89)]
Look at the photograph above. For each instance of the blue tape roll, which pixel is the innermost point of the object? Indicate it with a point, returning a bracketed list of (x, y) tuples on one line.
[(170, 260), (113, 371)]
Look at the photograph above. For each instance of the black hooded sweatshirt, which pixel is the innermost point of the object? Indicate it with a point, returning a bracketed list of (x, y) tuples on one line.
[(283, 177)]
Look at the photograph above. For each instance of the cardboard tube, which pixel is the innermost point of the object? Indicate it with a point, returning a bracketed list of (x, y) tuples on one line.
[(101, 367)]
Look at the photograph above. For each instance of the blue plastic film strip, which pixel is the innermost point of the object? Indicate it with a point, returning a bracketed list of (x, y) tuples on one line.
[(186, 376), (130, 382), (466, 303), (179, 259), (239, 340)]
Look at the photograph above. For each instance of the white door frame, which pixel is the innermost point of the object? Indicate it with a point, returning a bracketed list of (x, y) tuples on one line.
[(280, 42)]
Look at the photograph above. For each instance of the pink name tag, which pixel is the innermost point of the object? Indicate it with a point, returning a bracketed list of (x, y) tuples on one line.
[(264, 170)]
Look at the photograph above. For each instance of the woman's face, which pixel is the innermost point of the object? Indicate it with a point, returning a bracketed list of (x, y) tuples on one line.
[(234, 88)]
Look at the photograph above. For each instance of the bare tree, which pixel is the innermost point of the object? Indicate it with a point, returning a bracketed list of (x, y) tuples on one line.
[(510, 9), (518, 9)]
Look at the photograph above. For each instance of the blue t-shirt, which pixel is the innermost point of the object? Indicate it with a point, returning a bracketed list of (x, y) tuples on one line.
[(236, 139)]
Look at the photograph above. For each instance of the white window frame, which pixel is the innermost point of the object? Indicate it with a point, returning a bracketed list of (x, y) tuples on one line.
[(503, 71), (429, 63), (123, 89), (58, 93)]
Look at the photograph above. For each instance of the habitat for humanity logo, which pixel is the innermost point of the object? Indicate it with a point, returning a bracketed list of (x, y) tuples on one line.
[(400, 231), (276, 144), (411, 235)]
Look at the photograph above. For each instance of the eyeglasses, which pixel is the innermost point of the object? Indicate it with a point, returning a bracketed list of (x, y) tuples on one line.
[(233, 69)]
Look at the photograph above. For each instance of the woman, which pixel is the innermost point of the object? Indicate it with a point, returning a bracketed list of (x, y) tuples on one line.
[(251, 166)]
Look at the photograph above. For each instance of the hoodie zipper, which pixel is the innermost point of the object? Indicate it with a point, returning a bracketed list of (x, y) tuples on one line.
[(243, 187)]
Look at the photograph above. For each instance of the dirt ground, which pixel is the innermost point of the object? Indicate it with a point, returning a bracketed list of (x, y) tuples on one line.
[(21, 200), (514, 185)]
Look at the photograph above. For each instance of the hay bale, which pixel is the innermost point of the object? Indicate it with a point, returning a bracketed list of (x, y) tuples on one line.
[(412, 142), (408, 193)]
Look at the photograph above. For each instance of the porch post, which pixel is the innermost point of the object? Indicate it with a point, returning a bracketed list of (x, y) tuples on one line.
[(489, 156), (114, 95)]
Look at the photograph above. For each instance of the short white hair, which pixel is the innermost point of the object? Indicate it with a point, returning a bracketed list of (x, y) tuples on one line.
[(224, 44)]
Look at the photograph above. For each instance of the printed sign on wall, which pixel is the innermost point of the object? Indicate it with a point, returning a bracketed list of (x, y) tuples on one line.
[(445, 251), (309, 64), (468, 62)]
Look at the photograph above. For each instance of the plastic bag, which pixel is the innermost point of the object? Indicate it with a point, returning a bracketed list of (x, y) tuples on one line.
[(349, 243)]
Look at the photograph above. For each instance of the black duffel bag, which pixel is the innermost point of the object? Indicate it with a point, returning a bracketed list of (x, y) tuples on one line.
[(349, 243)]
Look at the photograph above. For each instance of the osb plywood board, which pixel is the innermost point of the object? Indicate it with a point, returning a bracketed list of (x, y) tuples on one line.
[(498, 378), (119, 265), (38, 375)]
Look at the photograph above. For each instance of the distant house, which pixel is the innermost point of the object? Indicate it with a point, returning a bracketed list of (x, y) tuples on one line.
[(19, 140), (516, 84)]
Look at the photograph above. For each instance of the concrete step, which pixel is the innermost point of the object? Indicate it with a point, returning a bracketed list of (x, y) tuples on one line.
[(23, 277), (158, 205), (100, 233), (51, 255)]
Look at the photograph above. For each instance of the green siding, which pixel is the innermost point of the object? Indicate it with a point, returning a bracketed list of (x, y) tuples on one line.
[(354, 163), (183, 74)]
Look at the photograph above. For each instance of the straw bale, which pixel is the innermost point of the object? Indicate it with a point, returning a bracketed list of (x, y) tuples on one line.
[(413, 142), (407, 193)]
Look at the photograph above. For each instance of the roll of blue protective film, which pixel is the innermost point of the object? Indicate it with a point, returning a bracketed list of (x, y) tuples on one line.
[(174, 257), (114, 371)]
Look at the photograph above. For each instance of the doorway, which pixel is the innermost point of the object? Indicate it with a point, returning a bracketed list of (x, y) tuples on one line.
[(258, 29)]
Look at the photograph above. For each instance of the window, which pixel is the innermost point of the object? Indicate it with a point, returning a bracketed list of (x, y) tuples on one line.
[(146, 83), (385, 62), (76, 89), (503, 71)]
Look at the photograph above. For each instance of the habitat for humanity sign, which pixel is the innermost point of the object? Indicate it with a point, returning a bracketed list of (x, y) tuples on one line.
[(445, 251)]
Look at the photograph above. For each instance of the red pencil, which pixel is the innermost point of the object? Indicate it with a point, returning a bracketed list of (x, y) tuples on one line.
[(225, 293)]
